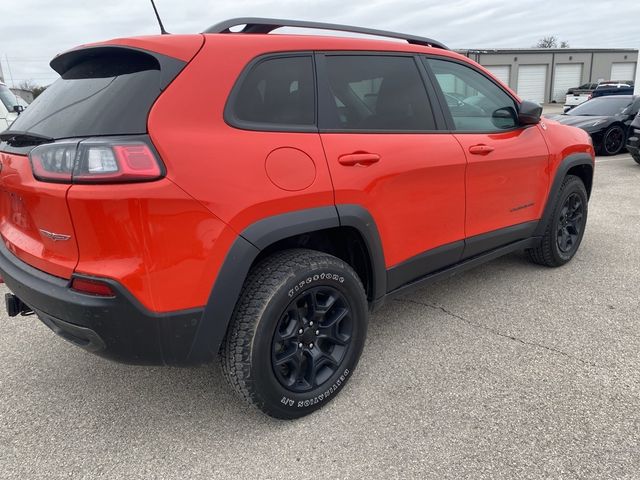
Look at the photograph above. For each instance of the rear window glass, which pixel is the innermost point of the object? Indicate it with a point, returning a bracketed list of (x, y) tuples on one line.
[(276, 91), (108, 94)]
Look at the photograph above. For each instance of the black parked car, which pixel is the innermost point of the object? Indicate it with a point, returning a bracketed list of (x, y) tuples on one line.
[(613, 88), (585, 87), (606, 119), (633, 144)]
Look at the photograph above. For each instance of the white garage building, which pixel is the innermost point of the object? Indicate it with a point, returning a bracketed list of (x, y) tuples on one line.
[(545, 74)]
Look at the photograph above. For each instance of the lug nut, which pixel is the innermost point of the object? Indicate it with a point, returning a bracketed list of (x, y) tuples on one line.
[(301, 331), (311, 323), (300, 345), (317, 332), (311, 345)]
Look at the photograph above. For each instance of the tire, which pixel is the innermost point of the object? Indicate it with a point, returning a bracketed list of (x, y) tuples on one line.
[(566, 227), (613, 140), (636, 158), (265, 357)]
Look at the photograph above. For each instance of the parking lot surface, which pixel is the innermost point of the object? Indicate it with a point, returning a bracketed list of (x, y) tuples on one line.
[(510, 370)]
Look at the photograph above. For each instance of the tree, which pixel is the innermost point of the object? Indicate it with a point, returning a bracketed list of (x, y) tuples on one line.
[(551, 41), (31, 86), (37, 91), (27, 85)]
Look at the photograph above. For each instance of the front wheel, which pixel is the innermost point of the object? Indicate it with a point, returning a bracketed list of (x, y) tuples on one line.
[(564, 232), (296, 334)]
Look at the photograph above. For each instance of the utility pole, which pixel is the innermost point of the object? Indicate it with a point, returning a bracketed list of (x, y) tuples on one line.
[(13, 85), (636, 88)]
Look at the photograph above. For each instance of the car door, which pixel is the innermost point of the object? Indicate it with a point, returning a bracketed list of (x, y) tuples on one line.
[(385, 153), (507, 164)]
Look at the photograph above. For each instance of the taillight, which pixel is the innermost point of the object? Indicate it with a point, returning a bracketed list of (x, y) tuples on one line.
[(96, 161), (92, 287), (132, 162), (53, 162)]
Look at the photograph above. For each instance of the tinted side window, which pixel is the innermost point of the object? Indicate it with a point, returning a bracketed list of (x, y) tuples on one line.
[(475, 102), (277, 91), (375, 92)]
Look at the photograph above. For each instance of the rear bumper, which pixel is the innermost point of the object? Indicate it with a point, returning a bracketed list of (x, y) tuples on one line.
[(118, 327)]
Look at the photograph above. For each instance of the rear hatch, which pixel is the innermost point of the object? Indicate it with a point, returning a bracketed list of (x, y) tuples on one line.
[(105, 92)]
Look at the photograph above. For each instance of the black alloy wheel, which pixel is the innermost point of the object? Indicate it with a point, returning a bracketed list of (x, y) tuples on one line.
[(570, 223), (311, 339), (613, 140), (565, 226)]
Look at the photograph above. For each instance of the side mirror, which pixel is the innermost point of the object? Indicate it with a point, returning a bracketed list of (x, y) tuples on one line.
[(505, 118), (529, 113), (18, 109)]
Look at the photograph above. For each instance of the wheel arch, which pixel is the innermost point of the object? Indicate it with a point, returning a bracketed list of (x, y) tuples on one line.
[(578, 164), (351, 226)]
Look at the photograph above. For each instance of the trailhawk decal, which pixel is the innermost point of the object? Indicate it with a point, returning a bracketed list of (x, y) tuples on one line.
[(315, 278), (289, 402)]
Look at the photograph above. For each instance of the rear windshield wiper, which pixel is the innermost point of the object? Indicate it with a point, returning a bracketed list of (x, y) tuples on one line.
[(24, 139)]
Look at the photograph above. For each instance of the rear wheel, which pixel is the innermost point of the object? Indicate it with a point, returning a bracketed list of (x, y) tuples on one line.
[(297, 333), (613, 140), (564, 232)]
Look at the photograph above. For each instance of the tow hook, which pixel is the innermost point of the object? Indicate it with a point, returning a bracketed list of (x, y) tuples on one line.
[(15, 306)]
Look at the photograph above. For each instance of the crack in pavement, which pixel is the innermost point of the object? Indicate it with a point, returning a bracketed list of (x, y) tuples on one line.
[(496, 332)]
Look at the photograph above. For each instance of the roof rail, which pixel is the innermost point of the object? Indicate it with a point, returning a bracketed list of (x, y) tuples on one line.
[(266, 25)]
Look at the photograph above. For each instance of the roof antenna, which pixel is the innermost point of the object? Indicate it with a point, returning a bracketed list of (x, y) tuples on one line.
[(162, 30)]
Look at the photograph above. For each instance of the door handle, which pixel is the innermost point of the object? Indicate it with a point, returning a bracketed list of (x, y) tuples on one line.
[(481, 149), (361, 158)]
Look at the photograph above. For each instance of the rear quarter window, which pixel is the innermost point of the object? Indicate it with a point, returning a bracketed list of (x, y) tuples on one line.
[(275, 93)]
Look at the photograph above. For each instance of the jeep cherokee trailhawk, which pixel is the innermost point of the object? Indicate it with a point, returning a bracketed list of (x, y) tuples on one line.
[(253, 196)]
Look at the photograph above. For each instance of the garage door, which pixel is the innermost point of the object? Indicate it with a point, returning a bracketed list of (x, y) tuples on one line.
[(501, 72), (623, 71), (531, 82), (567, 75)]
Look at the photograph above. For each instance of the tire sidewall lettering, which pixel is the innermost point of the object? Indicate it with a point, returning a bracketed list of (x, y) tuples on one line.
[(310, 401), (318, 277)]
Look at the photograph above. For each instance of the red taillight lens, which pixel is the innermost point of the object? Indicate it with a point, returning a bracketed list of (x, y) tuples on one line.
[(92, 287), (117, 163), (101, 161)]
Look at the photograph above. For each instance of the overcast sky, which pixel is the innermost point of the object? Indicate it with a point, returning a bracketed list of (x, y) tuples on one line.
[(33, 31)]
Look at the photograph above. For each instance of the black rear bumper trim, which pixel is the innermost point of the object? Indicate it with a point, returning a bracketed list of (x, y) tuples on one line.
[(119, 327)]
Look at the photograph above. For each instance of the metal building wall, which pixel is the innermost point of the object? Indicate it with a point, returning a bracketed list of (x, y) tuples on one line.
[(596, 63)]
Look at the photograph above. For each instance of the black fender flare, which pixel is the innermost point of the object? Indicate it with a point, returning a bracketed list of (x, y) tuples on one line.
[(260, 235), (566, 164)]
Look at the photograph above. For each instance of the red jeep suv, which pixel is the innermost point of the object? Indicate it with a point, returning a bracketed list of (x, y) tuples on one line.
[(252, 196)]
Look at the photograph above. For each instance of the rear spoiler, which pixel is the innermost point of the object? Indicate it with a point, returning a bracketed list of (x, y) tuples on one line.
[(178, 47), (169, 67)]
